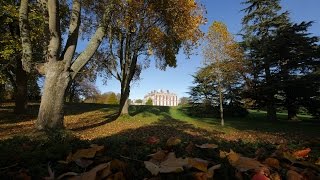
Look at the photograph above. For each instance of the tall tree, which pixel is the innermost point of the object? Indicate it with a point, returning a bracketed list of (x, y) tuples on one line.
[(262, 18), (11, 66), (59, 67), (224, 58), (299, 57), (140, 29)]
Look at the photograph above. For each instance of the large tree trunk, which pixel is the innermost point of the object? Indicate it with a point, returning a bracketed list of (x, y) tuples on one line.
[(271, 108), (51, 108), (292, 108), (124, 105), (21, 91), (271, 111)]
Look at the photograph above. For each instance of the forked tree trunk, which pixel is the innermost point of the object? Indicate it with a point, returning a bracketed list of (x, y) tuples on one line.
[(21, 91), (51, 108)]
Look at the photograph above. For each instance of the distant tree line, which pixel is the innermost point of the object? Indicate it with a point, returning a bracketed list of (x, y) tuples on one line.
[(105, 98)]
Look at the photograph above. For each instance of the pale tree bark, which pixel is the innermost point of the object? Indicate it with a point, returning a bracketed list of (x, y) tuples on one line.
[(23, 66), (25, 36), (221, 101), (59, 69)]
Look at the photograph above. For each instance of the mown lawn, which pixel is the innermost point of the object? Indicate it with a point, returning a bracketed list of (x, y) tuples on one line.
[(126, 138)]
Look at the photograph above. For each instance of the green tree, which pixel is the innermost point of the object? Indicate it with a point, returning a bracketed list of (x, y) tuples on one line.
[(11, 66), (112, 99), (140, 29), (262, 18), (224, 59), (149, 102), (298, 79), (60, 67)]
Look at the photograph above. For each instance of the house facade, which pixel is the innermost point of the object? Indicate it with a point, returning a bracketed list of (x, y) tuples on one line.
[(162, 98)]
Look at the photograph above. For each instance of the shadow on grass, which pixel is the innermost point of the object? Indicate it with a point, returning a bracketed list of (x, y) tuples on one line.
[(108, 119), (33, 155)]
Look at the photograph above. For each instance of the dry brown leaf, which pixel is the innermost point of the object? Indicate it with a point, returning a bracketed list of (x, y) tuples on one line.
[(275, 176), (84, 163), (233, 157), (67, 174), (301, 153), (199, 164), (223, 154), (173, 161), (211, 170), (117, 176), (272, 162), (259, 176), (83, 153), (293, 175), (105, 172), (199, 176), (153, 140), (243, 163), (173, 141), (159, 155), (89, 175), (117, 165), (170, 165), (207, 146)]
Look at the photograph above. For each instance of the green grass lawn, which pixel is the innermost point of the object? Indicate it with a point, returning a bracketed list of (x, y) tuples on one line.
[(126, 136)]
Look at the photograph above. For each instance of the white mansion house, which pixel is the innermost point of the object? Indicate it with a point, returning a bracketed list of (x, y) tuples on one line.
[(161, 98)]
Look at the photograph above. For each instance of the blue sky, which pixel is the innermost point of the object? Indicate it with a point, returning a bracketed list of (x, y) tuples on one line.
[(179, 79)]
